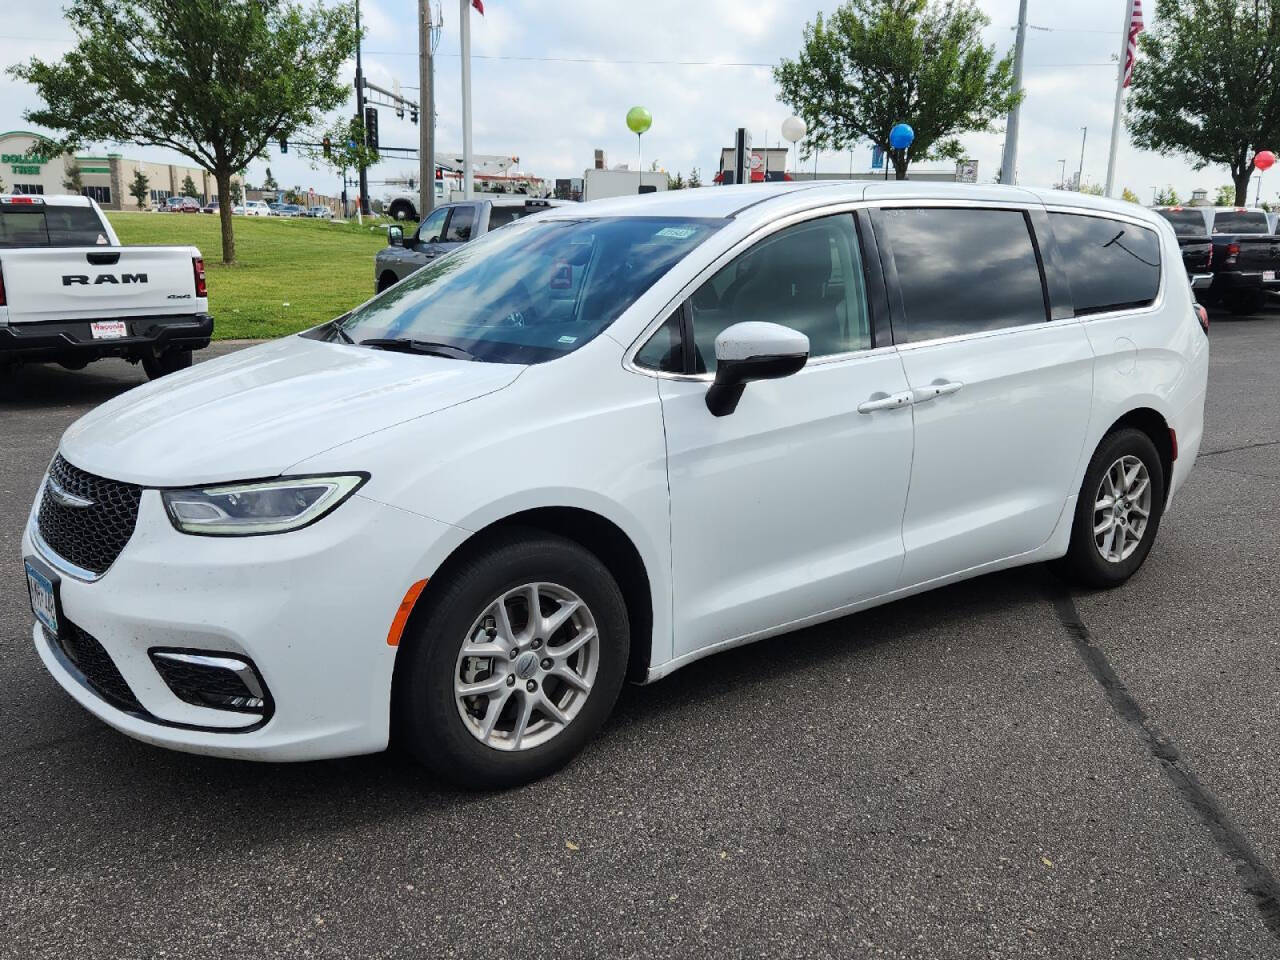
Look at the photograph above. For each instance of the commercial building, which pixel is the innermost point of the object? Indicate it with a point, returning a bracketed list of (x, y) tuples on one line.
[(107, 179)]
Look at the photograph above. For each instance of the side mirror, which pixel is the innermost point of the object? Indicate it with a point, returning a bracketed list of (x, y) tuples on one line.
[(753, 351), (395, 236)]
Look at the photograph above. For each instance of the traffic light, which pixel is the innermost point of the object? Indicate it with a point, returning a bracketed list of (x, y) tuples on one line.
[(284, 144), (371, 128), (413, 114), (327, 146)]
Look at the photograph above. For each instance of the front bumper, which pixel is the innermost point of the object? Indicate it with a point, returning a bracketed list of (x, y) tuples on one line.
[(310, 609), (56, 339)]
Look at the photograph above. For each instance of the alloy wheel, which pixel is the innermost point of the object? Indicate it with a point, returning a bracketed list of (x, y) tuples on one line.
[(1122, 509), (526, 666)]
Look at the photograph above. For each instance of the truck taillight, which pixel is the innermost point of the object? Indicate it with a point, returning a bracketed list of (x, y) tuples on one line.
[(197, 267), (1210, 263), (1233, 251)]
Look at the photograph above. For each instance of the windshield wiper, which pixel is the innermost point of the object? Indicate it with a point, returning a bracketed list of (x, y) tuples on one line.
[(336, 326), (410, 345)]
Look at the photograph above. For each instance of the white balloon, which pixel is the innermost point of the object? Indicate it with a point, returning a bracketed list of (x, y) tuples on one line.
[(793, 129)]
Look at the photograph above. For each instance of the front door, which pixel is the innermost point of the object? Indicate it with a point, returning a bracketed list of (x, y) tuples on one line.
[(1002, 391), (791, 506)]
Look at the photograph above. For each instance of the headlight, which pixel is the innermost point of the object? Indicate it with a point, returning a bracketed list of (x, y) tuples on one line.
[(244, 509)]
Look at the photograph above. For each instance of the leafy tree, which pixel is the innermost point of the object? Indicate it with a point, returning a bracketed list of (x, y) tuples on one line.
[(695, 179), (1168, 197), (1225, 196), (676, 182), (189, 187), (215, 80), (876, 63), (270, 182), (1130, 196), (1207, 84), (237, 193), (139, 189), (347, 148), (73, 179)]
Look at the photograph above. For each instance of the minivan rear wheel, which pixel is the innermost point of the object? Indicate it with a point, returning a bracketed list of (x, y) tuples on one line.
[(515, 663), (1118, 511)]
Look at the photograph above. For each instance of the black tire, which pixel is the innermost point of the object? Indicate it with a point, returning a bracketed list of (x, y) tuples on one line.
[(426, 716), (1243, 304), (401, 210), (386, 281), (74, 363), (171, 361), (1084, 563)]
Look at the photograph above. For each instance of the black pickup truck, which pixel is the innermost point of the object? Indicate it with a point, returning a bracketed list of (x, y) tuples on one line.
[(1246, 258), (1192, 227)]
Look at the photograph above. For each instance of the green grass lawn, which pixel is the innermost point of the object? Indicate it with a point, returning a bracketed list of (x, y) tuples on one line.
[(289, 274)]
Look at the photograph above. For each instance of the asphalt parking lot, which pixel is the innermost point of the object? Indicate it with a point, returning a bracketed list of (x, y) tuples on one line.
[(998, 769)]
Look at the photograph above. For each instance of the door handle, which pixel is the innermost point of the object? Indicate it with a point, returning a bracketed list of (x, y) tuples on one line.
[(935, 390), (891, 402)]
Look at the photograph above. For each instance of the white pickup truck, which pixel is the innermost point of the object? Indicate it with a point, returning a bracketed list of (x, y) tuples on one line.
[(70, 293)]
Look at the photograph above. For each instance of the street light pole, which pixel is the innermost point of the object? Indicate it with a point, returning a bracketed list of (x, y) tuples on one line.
[(1063, 179), (1009, 164), (1080, 173), (464, 28), (426, 112), (364, 141)]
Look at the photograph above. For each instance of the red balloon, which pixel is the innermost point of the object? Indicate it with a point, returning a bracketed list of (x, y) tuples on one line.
[(1264, 160)]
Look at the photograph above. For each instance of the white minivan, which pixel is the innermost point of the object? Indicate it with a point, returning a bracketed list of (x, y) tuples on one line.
[(603, 442)]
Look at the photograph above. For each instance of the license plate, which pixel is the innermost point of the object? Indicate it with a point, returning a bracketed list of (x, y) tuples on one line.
[(1268, 275), (44, 598), (108, 329)]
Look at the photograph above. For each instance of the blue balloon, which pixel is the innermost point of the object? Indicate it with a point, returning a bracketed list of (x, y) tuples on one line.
[(901, 136)]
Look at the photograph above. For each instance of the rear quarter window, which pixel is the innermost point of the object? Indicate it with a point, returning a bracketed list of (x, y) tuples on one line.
[(1111, 264), (51, 227), (1241, 221)]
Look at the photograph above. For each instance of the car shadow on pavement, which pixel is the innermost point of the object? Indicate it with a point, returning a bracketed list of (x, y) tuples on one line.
[(36, 385), (133, 787)]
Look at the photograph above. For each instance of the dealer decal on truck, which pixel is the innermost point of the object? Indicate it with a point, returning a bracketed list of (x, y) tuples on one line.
[(69, 279)]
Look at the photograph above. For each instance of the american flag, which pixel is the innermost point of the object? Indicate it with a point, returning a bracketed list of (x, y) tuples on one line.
[(479, 5), (1135, 27)]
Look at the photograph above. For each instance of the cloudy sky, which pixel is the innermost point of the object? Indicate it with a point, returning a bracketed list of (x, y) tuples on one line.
[(532, 100)]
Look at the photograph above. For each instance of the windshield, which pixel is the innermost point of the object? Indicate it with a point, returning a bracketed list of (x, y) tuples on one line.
[(1241, 221), (530, 292), (1186, 223)]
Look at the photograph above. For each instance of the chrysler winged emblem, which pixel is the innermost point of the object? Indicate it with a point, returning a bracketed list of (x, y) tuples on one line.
[(65, 496)]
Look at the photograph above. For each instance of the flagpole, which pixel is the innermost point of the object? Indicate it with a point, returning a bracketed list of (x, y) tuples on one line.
[(1115, 116), (464, 15)]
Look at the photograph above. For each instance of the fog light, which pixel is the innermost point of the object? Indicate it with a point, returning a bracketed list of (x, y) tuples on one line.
[(218, 681)]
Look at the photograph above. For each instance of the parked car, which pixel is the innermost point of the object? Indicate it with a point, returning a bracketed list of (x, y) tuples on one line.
[(446, 228), (176, 204), (290, 210), (603, 443), (1191, 228), (274, 208), (71, 294), (256, 208), (238, 210), (210, 208), (320, 213), (1246, 258)]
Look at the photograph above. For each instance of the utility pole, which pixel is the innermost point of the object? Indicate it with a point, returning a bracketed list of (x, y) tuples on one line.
[(1063, 179), (464, 28), (1080, 173), (1009, 166), (426, 112), (364, 173)]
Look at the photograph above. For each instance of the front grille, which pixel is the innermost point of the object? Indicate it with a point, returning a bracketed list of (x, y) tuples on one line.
[(95, 665), (90, 537)]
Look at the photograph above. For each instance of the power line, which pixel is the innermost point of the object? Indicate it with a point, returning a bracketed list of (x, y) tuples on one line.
[(604, 60)]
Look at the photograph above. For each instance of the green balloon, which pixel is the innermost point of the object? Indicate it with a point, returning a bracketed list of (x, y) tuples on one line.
[(639, 120)]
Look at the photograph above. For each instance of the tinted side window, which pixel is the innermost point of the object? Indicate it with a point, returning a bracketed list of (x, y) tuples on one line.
[(460, 225), (662, 351), (808, 277), (1111, 265), (1241, 221), (501, 216), (963, 270)]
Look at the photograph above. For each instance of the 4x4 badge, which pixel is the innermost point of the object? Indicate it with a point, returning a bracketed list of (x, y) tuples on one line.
[(66, 497)]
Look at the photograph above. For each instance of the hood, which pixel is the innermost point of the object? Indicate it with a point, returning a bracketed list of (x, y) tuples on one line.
[(257, 412)]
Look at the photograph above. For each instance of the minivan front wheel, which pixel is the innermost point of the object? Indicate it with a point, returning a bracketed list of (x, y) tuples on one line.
[(516, 664), (1117, 512)]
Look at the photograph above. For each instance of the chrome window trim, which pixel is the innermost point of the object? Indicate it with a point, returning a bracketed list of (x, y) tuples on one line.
[(723, 260)]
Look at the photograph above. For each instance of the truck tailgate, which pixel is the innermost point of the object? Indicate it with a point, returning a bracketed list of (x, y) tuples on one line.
[(1197, 253), (1257, 254), (90, 283)]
